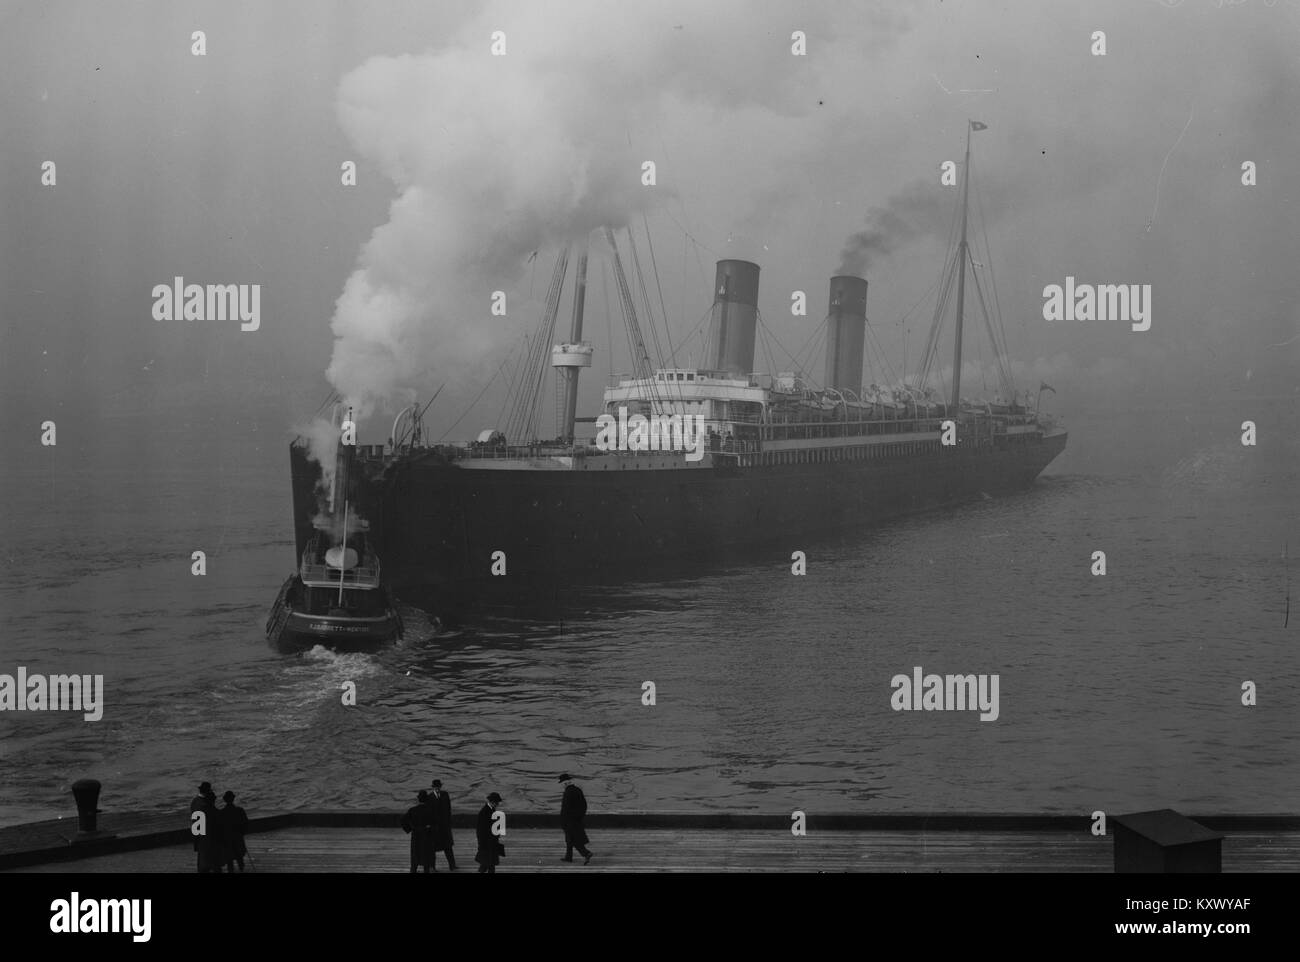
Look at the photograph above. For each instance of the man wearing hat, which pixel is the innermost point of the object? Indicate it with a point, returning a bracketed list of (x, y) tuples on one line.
[(418, 823), (440, 802), (490, 847), (211, 842), (197, 804), (234, 822), (573, 809)]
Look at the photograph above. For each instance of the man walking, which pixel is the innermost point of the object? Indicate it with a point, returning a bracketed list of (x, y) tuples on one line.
[(573, 809), (440, 801)]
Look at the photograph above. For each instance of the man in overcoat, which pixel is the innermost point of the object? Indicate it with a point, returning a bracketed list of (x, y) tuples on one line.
[(442, 840), (197, 804), (490, 847), (234, 821), (573, 809), (211, 844), (418, 823)]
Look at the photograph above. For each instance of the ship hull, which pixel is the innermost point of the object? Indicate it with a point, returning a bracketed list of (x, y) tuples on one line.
[(440, 525)]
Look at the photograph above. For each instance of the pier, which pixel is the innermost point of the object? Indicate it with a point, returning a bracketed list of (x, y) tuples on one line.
[(354, 842)]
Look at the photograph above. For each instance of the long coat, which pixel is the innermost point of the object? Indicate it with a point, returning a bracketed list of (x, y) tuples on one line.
[(490, 847), (197, 803), (235, 822), (212, 843), (573, 808), (418, 822), (442, 841)]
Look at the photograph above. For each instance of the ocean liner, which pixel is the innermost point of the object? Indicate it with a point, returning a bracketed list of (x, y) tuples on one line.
[(778, 457)]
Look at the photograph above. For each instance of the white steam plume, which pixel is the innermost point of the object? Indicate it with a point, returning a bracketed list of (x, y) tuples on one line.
[(497, 156), (322, 438)]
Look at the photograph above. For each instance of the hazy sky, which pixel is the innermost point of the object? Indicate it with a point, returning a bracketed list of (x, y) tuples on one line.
[(225, 168)]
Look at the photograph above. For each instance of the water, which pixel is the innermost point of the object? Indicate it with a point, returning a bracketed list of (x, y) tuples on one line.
[(773, 691)]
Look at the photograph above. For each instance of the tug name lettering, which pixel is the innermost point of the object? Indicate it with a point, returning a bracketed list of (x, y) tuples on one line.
[(946, 693), (215, 302), (659, 432)]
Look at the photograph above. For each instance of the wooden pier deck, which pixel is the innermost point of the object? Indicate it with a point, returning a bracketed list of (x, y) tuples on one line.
[(333, 842)]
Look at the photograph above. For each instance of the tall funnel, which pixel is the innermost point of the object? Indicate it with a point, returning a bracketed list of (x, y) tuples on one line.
[(845, 333), (735, 317)]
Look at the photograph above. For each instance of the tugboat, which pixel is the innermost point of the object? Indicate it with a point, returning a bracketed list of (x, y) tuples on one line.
[(337, 597)]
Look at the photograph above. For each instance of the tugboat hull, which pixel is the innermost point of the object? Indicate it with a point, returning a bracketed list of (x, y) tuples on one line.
[(294, 626)]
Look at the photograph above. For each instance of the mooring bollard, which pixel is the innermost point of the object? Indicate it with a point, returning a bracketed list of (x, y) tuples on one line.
[(86, 792)]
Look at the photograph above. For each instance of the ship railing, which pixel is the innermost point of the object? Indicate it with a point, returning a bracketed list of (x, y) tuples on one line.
[(811, 430), (733, 446), (362, 576), (542, 449)]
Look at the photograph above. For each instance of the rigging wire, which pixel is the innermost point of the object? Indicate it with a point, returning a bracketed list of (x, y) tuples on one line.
[(627, 329), (997, 302), (663, 307), (329, 399), (523, 418), (645, 369), (513, 384), (654, 265), (772, 334), (813, 343), (1006, 385), (657, 387), (639, 275), (501, 367), (698, 324), (947, 273)]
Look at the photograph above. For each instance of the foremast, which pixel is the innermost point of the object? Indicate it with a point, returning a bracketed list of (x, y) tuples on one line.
[(962, 254)]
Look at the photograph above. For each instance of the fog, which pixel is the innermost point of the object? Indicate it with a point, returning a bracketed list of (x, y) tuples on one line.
[(226, 169)]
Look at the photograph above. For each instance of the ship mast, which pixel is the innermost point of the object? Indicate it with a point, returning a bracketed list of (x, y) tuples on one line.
[(961, 276), (575, 337)]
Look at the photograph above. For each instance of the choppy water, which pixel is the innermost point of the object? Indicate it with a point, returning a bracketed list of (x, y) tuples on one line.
[(773, 691)]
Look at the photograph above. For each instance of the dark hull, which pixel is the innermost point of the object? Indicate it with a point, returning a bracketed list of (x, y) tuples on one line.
[(293, 626), (437, 523)]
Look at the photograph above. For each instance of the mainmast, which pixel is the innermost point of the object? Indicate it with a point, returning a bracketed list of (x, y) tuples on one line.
[(570, 358), (575, 337), (961, 276)]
